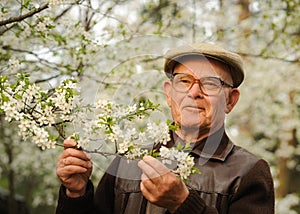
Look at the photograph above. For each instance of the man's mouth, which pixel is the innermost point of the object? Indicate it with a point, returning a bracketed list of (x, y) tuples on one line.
[(193, 108)]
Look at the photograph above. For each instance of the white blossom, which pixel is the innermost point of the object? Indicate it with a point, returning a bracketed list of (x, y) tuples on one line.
[(14, 64), (70, 84), (181, 156), (20, 86), (285, 205), (59, 100), (142, 137), (11, 111), (41, 27), (131, 109), (100, 104), (54, 3), (185, 162), (130, 133), (135, 153), (82, 143), (165, 153), (112, 137), (158, 133), (119, 113), (123, 147), (25, 128)]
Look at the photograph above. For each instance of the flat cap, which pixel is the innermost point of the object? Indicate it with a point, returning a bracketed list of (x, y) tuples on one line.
[(233, 60)]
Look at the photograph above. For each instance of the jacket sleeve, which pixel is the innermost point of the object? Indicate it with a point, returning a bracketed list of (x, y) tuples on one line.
[(256, 191), (80, 205), (254, 195)]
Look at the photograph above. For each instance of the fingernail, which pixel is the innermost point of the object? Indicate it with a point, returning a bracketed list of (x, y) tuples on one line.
[(147, 157), (88, 155)]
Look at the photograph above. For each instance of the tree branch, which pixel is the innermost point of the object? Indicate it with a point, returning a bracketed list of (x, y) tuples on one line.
[(22, 17), (269, 57)]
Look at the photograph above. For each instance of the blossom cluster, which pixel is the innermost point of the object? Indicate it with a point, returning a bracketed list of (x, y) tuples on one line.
[(185, 162), (122, 125), (42, 116), (117, 121), (36, 110), (44, 24)]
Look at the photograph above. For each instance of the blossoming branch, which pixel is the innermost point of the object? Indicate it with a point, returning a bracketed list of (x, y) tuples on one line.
[(46, 116)]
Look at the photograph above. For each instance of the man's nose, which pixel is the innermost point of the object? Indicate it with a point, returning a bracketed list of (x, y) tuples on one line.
[(196, 90)]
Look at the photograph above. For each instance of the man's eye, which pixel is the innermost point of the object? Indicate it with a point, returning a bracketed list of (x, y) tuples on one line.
[(210, 83), (185, 81)]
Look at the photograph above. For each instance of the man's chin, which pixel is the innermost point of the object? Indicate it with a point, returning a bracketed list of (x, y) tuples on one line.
[(195, 120), (192, 125)]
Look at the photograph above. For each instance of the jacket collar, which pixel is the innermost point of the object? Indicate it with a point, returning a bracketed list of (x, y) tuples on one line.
[(216, 146)]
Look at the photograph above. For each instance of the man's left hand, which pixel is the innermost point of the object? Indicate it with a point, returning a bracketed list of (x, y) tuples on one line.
[(160, 186)]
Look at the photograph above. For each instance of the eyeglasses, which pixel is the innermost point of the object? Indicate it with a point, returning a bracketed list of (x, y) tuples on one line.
[(208, 85)]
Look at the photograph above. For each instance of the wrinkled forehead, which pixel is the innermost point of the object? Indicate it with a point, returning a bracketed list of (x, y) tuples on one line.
[(200, 63)]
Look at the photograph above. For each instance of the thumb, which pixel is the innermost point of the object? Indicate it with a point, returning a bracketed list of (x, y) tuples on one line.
[(158, 166), (70, 143)]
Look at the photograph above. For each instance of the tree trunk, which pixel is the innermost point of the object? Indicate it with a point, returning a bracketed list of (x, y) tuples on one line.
[(12, 205), (245, 12), (245, 29), (285, 178), (11, 202), (285, 173)]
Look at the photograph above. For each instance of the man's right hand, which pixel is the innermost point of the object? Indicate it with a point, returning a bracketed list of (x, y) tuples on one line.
[(74, 167)]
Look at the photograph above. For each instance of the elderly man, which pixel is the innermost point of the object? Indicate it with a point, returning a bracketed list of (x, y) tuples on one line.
[(202, 88)]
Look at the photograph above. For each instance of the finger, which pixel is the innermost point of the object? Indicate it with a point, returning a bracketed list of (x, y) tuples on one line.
[(144, 177), (67, 171), (144, 189), (70, 143), (148, 171), (157, 165), (148, 193), (75, 153), (72, 165), (76, 161)]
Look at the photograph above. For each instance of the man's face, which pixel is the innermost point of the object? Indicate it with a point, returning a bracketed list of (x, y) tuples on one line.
[(193, 109)]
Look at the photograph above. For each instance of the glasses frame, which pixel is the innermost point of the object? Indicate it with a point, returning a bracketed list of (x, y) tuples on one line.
[(223, 83)]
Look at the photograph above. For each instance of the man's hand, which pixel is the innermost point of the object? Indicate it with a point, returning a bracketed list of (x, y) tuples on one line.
[(160, 186), (73, 168)]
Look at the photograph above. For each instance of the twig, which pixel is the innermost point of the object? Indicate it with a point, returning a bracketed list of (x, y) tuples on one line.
[(22, 17)]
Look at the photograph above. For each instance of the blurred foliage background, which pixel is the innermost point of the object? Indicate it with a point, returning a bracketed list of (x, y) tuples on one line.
[(115, 48)]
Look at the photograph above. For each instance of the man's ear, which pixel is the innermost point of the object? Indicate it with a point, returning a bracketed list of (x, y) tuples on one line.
[(232, 99), (167, 91)]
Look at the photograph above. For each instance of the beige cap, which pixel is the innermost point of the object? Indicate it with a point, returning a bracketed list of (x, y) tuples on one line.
[(233, 60)]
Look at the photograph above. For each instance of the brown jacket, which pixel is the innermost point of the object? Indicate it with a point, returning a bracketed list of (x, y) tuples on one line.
[(232, 180)]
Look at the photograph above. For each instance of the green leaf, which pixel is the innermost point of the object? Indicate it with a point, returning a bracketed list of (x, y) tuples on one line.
[(4, 98), (59, 39), (75, 137), (172, 126), (18, 96), (179, 146)]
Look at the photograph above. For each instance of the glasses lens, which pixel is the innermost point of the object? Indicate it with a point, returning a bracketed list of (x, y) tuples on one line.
[(183, 82), (211, 85)]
